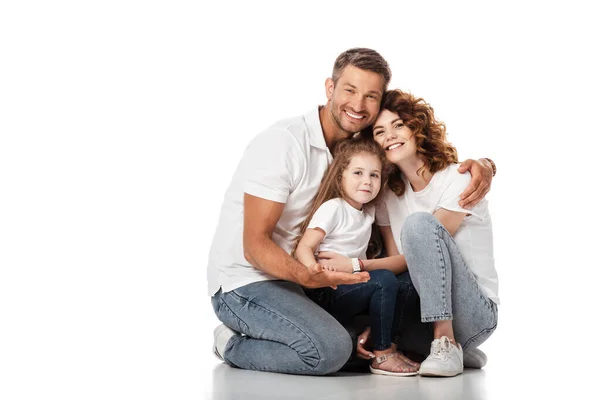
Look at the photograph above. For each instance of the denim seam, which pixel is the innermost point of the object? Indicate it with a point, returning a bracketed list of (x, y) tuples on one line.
[(443, 266), (381, 333), (437, 317), (478, 335), (243, 299)]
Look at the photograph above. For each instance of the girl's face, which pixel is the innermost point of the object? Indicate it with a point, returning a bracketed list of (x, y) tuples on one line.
[(397, 139), (361, 180)]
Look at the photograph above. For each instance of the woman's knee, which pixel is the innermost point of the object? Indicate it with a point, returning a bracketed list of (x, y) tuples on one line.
[(418, 224), (417, 230)]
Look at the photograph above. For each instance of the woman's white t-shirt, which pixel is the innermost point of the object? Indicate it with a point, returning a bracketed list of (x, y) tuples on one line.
[(474, 235)]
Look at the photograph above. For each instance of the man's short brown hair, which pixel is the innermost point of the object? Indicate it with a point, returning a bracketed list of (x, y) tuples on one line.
[(365, 59)]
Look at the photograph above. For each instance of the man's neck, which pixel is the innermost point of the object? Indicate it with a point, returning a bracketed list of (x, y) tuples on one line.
[(332, 133)]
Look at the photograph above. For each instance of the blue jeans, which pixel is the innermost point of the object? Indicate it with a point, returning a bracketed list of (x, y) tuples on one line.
[(447, 287), (283, 330), (411, 335), (378, 297)]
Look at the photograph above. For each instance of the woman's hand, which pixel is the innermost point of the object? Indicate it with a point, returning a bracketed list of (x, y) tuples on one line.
[(335, 262), (361, 343), (481, 182)]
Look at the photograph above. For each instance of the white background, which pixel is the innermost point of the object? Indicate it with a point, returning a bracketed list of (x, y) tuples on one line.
[(121, 123)]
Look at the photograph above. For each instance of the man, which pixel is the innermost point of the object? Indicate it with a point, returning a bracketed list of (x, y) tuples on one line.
[(256, 286)]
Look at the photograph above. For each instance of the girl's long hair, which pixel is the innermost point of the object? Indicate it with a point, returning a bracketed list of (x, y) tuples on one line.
[(430, 136), (331, 185)]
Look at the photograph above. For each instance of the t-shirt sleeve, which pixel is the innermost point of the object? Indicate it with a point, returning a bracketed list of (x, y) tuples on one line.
[(456, 184), (272, 165), (382, 217), (326, 217)]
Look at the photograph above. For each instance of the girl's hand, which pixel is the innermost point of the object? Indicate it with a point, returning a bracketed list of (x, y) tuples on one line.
[(335, 262), (361, 343)]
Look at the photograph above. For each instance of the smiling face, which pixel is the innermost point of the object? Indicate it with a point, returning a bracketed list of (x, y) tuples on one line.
[(394, 137), (353, 102), (361, 180)]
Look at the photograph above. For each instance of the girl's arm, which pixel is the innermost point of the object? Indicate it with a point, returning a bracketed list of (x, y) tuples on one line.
[(395, 262), (310, 241)]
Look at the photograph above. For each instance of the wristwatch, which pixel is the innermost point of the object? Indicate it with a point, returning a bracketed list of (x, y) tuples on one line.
[(355, 265)]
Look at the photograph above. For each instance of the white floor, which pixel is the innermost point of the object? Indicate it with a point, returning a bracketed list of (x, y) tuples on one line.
[(516, 372), (232, 383)]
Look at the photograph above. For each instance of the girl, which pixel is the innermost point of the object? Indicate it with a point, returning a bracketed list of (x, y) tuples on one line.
[(447, 249), (340, 220)]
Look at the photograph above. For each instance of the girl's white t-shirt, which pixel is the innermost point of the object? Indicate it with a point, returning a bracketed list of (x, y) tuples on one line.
[(347, 230), (474, 235)]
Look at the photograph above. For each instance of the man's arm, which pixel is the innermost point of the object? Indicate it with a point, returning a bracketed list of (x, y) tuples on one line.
[(482, 172), (260, 219)]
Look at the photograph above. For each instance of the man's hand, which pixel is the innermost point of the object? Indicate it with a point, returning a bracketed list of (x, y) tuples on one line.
[(481, 182), (320, 277), (335, 262)]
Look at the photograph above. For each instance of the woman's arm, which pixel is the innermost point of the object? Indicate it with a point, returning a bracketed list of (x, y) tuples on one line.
[(450, 219), (395, 262)]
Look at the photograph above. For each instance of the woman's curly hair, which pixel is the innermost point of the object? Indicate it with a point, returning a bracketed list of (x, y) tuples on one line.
[(430, 135)]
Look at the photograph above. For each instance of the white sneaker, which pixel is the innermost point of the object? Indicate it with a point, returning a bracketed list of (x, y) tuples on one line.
[(445, 359), (474, 358), (221, 336)]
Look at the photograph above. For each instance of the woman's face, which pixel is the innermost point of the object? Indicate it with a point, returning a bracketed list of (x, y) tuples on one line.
[(397, 139)]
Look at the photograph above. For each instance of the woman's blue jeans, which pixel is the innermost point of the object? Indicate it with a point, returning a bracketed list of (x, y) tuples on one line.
[(448, 289)]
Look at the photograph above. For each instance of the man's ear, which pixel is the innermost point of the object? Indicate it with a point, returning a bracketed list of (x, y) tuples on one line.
[(329, 86)]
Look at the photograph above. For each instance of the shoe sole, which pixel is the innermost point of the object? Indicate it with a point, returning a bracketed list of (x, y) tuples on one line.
[(216, 332), (377, 371), (436, 373), (216, 353)]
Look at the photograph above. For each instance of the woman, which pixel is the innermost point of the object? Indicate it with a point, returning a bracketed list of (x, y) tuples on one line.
[(447, 249)]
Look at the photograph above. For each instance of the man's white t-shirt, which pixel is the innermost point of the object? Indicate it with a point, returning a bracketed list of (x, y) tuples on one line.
[(347, 230), (284, 164), (474, 235)]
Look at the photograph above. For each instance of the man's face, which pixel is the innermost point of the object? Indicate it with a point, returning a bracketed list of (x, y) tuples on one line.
[(354, 101)]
